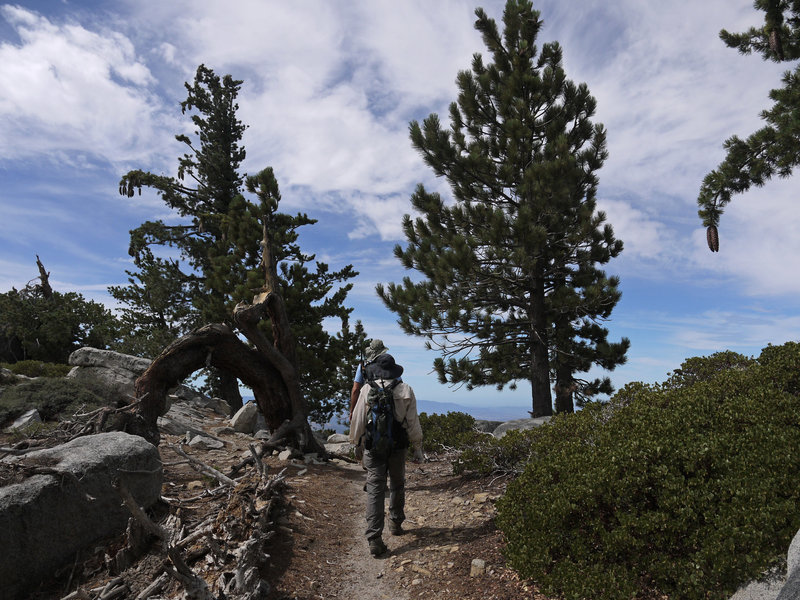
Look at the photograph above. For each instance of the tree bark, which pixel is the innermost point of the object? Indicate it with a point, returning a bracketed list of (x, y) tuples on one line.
[(565, 389), (230, 390), (214, 345), (44, 277), (541, 400)]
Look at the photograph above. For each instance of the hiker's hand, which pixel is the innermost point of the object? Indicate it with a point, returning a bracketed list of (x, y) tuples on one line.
[(418, 455)]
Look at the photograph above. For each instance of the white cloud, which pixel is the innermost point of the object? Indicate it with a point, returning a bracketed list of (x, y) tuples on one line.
[(759, 241), (644, 236), (668, 88), (68, 89), (748, 332)]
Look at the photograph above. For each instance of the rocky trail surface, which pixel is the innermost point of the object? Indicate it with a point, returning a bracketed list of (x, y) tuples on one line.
[(316, 543)]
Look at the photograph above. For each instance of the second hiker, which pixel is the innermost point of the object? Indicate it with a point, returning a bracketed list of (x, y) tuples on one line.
[(384, 423)]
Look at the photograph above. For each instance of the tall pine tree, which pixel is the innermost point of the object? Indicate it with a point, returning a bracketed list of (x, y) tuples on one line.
[(219, 255), (775, 148), (511, 289)]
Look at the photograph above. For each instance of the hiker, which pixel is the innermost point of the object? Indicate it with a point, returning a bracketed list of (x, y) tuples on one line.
[(374, 350), (384, 444)]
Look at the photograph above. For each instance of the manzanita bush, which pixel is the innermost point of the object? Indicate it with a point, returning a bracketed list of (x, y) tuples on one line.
[(690, 488)]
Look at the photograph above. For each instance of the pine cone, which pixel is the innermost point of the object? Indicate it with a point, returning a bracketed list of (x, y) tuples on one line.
[(712, 237), (775, 43)]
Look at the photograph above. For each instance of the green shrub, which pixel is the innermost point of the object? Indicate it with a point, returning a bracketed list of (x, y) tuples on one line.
[(37, 368), (452, 431), (689, 488), (51, 397)]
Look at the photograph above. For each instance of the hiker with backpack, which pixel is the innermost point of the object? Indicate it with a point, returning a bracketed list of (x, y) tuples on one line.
[(374, 350), (384, 423)]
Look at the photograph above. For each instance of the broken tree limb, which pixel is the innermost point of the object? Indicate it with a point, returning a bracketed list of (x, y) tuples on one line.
[(153, 588), (138, 513), (78, 594), (204, 468), (196, 588), (257, 458)]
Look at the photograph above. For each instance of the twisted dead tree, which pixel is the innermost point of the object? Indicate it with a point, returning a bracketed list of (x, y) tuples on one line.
[(268, 367)]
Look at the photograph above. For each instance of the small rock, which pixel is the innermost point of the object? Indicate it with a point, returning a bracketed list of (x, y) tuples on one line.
[(416, 581), (337, 438), (342, 449), (480, 498), (477, 568), (458, 500), (244, 420), (195, 485), (285, 455), (208, 443), (263, 434), (421, 570), (28, 418)]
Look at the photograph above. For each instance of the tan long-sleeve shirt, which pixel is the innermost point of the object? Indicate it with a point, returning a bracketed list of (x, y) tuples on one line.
[(405, 411)]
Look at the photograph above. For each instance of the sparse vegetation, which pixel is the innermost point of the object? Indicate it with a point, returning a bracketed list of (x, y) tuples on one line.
[(51, 397), (487, 454), (453, 431), (37, 368)]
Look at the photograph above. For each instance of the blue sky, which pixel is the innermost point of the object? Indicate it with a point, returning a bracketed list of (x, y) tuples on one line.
[(90, 90)]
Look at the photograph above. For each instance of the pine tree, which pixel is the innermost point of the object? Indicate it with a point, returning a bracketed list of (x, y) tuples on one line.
[(511, 290), (311, 297), (775, 148), (37, 323), (219, 262), (155, 306)]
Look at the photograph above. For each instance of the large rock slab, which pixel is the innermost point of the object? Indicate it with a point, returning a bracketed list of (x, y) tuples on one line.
[(116, 372), (27, 418), (48, 518), (760, 590), (484, 426), (520, 424), (246, 419), (791, 589)]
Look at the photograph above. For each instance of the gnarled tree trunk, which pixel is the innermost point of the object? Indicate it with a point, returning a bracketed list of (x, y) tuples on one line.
[(269, 368)]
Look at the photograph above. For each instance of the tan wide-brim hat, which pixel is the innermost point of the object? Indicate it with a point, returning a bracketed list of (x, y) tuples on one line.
[(375, 349)]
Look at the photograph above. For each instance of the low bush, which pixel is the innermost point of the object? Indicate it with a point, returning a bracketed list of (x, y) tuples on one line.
[(487, 454), (51, 397), (689, 488), (37, 368), (453, 431)]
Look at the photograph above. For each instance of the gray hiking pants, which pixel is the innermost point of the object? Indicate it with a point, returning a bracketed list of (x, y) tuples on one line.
[(377, 471)]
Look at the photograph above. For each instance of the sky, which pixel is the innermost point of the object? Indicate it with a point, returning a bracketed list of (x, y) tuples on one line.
[(90, 90)]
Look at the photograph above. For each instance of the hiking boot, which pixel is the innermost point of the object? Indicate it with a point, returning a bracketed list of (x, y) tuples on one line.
[(377, 547), (396, 528)]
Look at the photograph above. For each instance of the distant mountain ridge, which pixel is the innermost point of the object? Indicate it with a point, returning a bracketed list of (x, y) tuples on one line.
[(486, 413)]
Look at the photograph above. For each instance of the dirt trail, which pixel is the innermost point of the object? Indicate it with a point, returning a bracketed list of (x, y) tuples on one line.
[(362, 576), (449, 522), (319, 550)]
